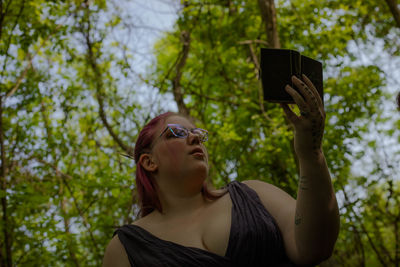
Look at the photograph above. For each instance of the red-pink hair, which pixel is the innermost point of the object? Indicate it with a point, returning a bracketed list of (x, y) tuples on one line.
[(145, 183)]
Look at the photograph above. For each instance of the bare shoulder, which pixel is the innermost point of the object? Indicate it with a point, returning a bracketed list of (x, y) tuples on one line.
[(270, 194), (278, 203), (282, 208), (115, 255)]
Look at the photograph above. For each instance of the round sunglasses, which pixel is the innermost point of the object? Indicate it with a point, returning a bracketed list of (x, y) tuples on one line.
[(181, 132)]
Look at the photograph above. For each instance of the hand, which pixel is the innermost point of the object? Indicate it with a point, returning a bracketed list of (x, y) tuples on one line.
[(309, 127)]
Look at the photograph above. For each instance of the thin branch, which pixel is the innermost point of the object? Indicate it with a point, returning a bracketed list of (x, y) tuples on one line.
[(63, 202), (64, 177), (254, 42), (360, 245), (255, 60), (394, 9), (3, 15), (257, 71), (176, 81), (370, 241), (7, 231), (99, 87), (11, 31), (30, 58)]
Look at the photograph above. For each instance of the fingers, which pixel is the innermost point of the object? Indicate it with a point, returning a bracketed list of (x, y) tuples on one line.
[(311, 85), (297, 98), (289, 113), (308, 94)]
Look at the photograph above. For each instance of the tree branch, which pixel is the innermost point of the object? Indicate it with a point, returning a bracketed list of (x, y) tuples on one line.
[(176, 81), (370, 241), (99, 86), (29, 59), (395, 11), (64, 178), (63, 202), (254, 42), (11, 30), (3, 187), (268, 14)]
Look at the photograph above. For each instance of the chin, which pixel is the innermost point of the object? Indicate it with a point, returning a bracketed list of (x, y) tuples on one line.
[(200, 171)]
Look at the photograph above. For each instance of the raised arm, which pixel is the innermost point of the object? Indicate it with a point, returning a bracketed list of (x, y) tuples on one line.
[(316, 222)]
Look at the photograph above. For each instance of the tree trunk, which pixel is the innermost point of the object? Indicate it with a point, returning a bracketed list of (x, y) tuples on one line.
[(3, 186), (92, 61), (268, 14), (176, 82)]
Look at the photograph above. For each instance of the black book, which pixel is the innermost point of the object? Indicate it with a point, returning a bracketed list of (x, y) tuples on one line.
[(277, 68)]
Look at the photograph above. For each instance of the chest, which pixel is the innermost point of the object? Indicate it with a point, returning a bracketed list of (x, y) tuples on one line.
[(208, 230)]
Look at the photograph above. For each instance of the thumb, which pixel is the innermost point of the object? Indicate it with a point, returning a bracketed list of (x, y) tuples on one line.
[(289, 113)]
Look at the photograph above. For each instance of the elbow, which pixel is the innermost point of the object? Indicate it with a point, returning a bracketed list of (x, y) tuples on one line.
[(322, 246), (327, 252), (313, 261), (326, 255), (316, 256)]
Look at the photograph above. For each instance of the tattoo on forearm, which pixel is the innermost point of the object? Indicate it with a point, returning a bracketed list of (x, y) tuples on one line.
[(297, 219), (317, 128), (303, 184), (317, 132)]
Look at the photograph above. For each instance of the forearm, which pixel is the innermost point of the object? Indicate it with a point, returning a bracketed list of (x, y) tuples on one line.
[(317, 214)]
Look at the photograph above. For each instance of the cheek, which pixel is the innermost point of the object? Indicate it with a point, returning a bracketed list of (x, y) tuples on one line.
[(173, 152)]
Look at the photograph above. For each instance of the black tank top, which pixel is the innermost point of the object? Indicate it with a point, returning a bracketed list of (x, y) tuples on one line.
[(255, 239)]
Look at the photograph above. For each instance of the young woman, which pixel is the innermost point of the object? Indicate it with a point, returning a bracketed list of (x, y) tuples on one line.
[(249, 223)]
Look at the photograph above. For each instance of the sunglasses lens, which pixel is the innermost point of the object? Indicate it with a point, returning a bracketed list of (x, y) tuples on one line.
[(180, 132), (203, 134)]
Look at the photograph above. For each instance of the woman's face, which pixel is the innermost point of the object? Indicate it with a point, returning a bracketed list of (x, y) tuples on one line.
[(179, 157)]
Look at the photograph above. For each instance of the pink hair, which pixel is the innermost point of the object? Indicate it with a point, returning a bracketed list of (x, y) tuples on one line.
[(145, 183)]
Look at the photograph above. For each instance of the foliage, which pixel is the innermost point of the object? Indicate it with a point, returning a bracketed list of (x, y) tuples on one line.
[(71, 102)]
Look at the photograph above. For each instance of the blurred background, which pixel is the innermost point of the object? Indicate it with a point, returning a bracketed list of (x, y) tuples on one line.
[(79, 79)]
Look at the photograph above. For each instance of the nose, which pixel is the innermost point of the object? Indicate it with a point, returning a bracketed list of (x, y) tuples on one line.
[(193, 138)]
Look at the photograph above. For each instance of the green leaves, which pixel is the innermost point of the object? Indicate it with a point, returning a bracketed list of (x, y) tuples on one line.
[(221, 88), (78, 102)]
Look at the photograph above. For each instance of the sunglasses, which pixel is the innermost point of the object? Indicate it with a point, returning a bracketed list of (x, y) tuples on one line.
[(181, 132)]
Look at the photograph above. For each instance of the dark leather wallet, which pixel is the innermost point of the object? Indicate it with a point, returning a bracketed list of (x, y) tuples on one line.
[(279, 65)]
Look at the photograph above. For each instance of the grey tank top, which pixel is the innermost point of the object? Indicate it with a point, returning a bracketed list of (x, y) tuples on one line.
[(255, 239)]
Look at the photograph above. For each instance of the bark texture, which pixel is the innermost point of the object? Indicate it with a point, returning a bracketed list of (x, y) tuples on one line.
[(394, 9), (176, 81), (268, 14)]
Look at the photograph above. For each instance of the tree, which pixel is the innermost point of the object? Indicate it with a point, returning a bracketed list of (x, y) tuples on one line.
[(71, 101), (225, 40), (56, 198)]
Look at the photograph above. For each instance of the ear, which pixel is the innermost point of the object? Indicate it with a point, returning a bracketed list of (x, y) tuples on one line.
[(146, 160)]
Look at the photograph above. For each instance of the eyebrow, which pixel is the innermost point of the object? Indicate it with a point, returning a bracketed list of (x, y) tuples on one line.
[(181, 126)]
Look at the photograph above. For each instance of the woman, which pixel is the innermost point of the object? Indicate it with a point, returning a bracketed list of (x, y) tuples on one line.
[(249, 223)]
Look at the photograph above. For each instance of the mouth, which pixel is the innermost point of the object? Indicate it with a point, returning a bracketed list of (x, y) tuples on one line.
[(197, 151)]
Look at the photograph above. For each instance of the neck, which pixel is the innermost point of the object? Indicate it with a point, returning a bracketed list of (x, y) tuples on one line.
[(181, 207), (180, 198)]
